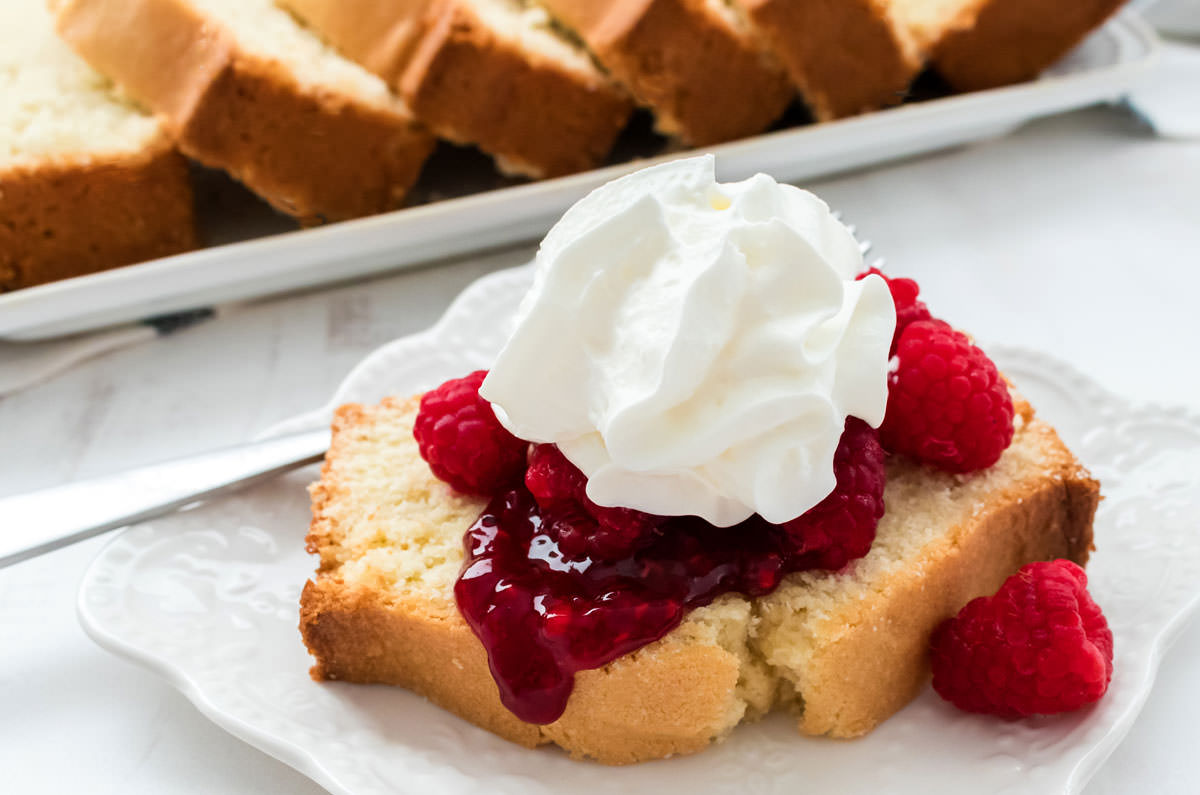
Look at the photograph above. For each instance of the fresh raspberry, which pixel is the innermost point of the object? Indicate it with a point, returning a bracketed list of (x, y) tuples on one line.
[(947, 404), (909, 308), (1040, 646), (458, 434), (841, 527), (582, 528), (552, 479)]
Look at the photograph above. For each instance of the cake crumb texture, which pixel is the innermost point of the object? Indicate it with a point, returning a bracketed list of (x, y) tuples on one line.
[(1001, 42), (498, 74), (696, 63), (243, 87), (88, 181), (854, 56)]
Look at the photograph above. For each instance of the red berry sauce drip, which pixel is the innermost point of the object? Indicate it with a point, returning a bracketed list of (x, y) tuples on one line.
[(543, 615)]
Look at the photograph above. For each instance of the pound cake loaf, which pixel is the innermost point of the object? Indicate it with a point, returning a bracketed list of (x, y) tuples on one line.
[(243, 87), (843, 650), (87, 180), (493, 73), (695, 63)]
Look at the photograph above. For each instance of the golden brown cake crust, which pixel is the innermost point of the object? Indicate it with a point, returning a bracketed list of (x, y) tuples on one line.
[(358, 636), (845, 56), (1001, 42), (725, 662), (311, 154), (884, 656), (60, 219), (382, 35), (539, 118), (534, 116), (706, 81), (355, 638)]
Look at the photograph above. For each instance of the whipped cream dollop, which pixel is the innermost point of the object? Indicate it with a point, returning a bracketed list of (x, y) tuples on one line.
[(695, 348)]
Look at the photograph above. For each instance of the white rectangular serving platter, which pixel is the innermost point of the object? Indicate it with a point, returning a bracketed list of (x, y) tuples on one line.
[(1101, 69)]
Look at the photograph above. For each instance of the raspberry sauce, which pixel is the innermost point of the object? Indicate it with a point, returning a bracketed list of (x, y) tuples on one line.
[(542, 617)]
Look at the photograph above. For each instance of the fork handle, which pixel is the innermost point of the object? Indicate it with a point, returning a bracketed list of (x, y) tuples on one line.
[(42, 521)]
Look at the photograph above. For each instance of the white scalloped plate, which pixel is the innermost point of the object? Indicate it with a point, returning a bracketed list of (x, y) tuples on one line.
[(208, 599)]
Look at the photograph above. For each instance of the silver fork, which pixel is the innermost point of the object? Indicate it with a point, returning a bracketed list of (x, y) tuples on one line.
[(42, 521)]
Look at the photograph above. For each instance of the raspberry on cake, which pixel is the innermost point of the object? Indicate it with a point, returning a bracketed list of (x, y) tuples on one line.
[(580, 527), (947, 404), (694, 521), (841, 527), (909, 308), (546, 610), (459, 436)]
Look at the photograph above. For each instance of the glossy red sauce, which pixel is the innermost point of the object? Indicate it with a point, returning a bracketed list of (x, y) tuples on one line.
[(543, 618)]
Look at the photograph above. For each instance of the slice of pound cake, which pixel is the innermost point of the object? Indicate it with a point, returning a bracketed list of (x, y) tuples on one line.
[(843, 650), (718, 467), (992, 43), (493, 73), (243, 87), (695, 63), (847, 56), (87, 180), (854, 56)]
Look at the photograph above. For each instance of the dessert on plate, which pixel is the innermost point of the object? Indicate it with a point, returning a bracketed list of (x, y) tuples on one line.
[(719, 468)]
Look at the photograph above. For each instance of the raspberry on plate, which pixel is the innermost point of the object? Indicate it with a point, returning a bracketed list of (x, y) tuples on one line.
[(909, 308), (947, 404), (465, 445), (841, 527), (1040, 646)]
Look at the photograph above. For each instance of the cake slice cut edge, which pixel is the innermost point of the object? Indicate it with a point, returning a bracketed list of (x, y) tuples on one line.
[(993, 43), (843, 650), (496, 74), (855, 56), (696, 64), (241, 86), (845, 56), (88, 181), (379, 35)]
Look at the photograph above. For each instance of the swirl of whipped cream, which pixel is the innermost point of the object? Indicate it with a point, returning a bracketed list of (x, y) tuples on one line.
[(695, 347)]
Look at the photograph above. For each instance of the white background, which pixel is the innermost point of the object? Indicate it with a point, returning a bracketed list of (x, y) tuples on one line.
[(1078, 235)]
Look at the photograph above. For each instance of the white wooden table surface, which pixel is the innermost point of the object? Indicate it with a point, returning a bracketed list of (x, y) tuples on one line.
[(1079, 235)]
